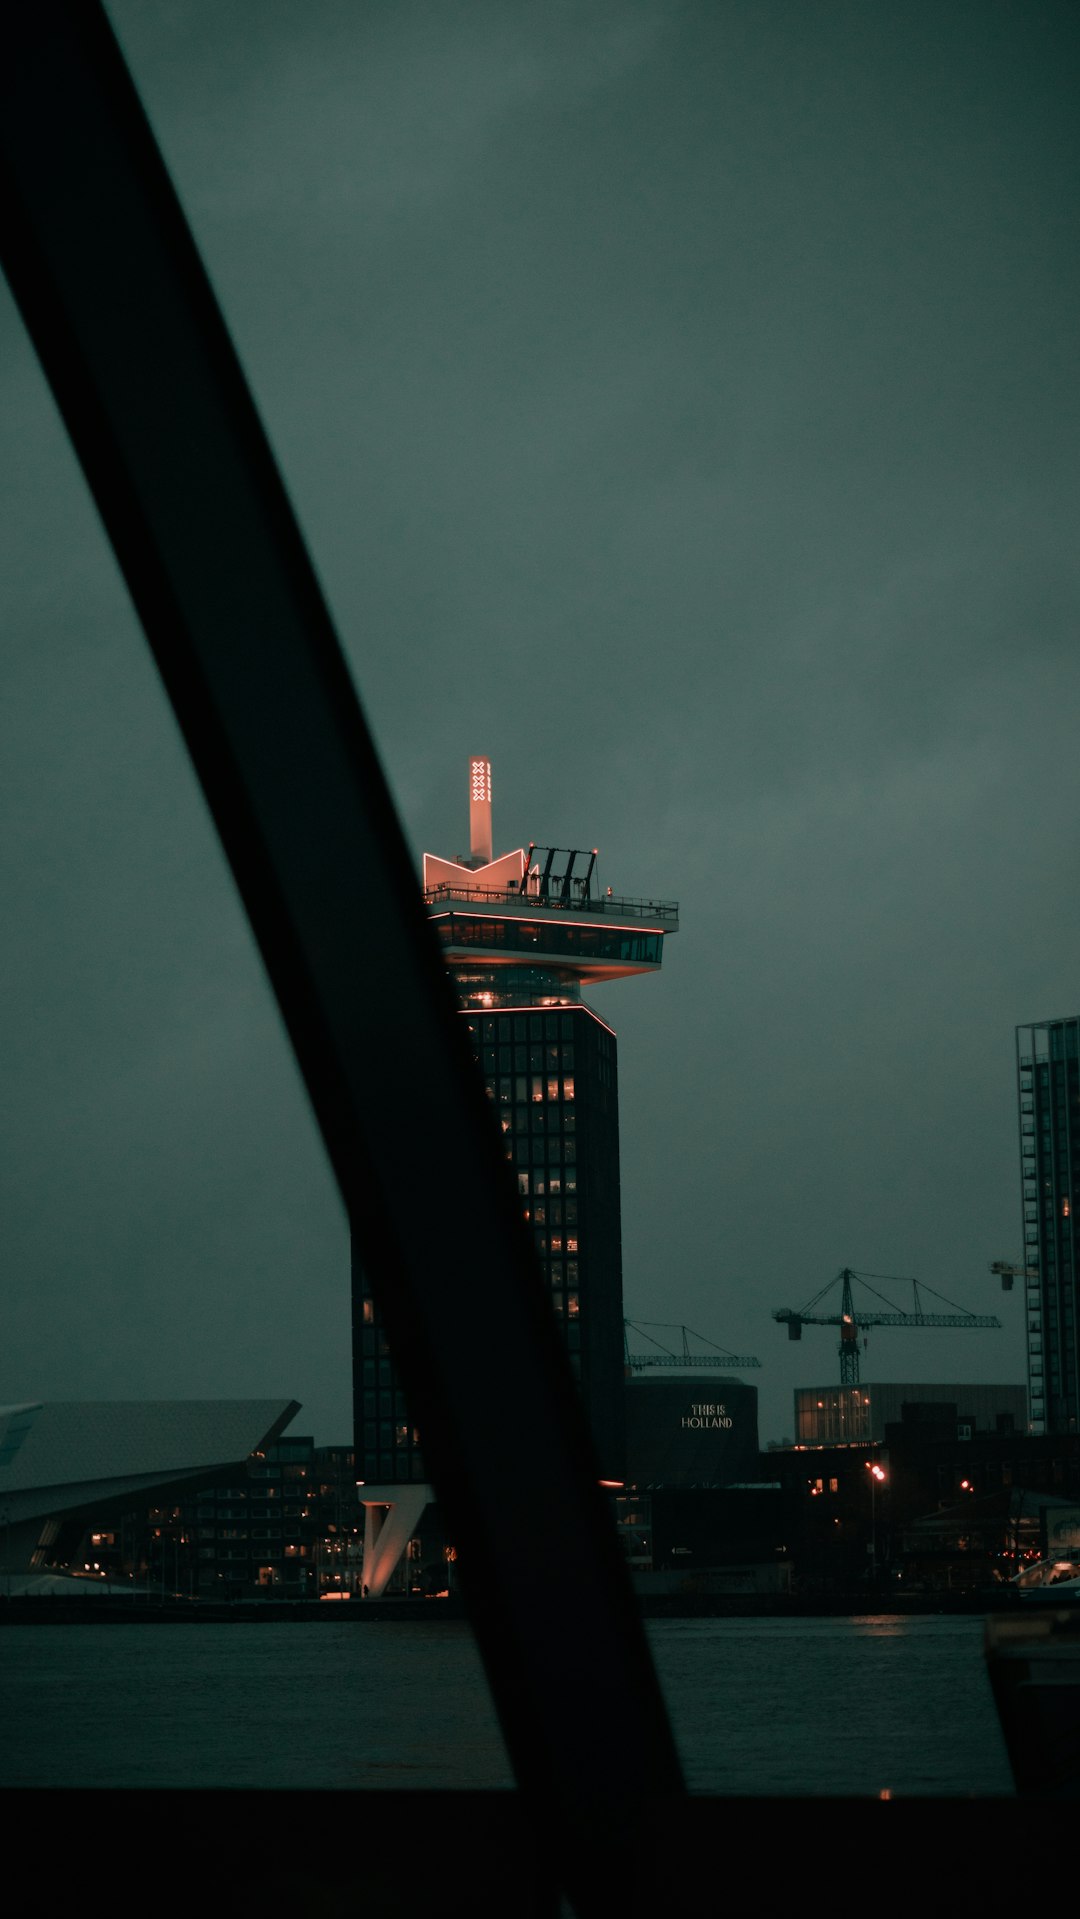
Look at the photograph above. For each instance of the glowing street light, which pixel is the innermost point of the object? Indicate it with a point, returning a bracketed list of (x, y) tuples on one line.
[(878, 1476)]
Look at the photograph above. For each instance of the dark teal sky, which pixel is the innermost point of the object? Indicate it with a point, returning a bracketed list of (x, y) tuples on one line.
[(681, 406)]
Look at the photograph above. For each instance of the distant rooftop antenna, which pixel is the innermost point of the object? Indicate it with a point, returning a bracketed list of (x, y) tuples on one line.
[(479, 811)]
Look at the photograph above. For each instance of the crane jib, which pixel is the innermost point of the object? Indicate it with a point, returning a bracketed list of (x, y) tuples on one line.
[(852, 1322)]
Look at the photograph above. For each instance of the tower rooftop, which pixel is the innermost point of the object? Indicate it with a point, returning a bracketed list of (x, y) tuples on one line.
[(539, 907)]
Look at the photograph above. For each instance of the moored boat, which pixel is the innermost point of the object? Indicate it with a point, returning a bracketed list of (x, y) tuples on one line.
[(1054, 1581)]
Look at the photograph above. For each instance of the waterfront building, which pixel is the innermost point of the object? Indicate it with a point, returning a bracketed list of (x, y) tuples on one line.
[(284, 1526), (857, 1415), (943, 1498), (111, 1469), (522, 934), (692, 1541), (1048, 1092), (206, 1501)]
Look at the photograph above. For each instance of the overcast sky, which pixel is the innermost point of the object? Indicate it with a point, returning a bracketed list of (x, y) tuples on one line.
[(681, 406)]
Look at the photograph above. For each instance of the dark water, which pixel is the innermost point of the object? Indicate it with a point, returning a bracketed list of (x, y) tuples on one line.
[(899, 1705)]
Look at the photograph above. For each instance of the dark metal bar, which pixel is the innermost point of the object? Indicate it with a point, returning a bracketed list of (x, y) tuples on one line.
[(119, 308)]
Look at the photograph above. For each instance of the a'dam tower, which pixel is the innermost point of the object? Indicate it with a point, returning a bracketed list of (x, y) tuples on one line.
[(522, 935)]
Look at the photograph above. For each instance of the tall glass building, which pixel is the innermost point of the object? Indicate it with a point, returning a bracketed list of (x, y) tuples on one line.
[(1048, 1085), (522, 935)]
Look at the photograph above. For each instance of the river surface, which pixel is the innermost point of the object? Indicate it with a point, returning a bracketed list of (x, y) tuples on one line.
[(803, 1706)]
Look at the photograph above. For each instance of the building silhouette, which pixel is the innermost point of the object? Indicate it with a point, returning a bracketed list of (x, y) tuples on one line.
[(522, 934), (1048, 1088)]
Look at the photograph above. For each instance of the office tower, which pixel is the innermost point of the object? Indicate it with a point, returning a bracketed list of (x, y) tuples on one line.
[(521, 936), (1048, 1083)]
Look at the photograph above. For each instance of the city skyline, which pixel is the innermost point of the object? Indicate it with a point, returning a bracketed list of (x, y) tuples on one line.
[(685, 408)]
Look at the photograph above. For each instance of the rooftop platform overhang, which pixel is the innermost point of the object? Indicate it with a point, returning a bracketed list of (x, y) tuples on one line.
[(598, 941)]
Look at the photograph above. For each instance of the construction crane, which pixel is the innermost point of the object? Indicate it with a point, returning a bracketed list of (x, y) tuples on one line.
[(1009, 1270), (851, 1322), (637, 1362)]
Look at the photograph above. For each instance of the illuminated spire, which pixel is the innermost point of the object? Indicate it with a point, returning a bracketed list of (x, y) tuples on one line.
[(479, 811)]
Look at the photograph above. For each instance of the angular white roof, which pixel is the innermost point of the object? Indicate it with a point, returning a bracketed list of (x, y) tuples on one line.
[(55, 1457)]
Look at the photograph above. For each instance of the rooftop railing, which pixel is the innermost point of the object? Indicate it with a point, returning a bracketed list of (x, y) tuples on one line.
[(666, 911)]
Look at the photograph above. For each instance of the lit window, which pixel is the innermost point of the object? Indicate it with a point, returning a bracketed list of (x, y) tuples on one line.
[(568, 1089)]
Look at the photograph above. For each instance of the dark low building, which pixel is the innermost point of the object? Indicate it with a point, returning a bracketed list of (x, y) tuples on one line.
[(709, 1539)]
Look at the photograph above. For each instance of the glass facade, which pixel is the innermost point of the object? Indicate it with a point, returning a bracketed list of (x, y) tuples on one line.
[(832, 1416), (552, 1079), (1048, 1091), (550, 939), (479, 987)]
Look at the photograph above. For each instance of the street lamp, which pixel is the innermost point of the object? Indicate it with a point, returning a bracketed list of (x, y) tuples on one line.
[(877, 1477)]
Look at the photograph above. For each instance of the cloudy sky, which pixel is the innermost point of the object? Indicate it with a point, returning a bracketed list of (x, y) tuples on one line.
[(681, 406)]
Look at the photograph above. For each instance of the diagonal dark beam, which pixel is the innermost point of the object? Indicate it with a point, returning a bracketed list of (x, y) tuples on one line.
[(115, 298)]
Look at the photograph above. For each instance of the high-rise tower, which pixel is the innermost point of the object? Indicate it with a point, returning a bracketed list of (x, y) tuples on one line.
[(521, 935), (1048, 1084)]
